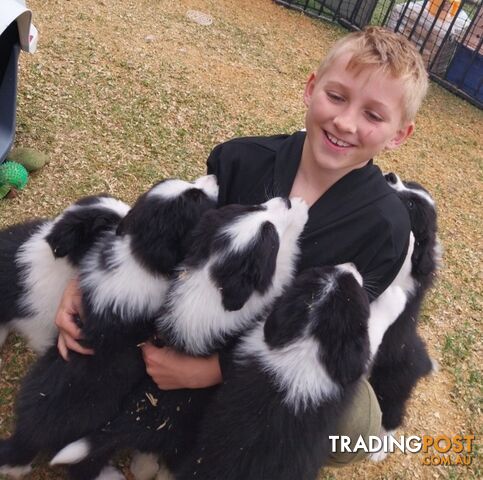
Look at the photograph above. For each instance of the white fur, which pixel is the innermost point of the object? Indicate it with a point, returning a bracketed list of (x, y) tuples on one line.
[(242, 231), (209, 185), (110, 473), (381, 454), (296, 368), (404, 278), (144, 466), (72, 453), (197, 317), (351, 268), (108, 203), (44, 280), (115, 205), (385, 310), (116, 286), (400, 187), (169, 189), (174, 187), (15, 472)]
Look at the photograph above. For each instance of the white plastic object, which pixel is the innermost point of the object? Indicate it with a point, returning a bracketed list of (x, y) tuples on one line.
[(12, 10)]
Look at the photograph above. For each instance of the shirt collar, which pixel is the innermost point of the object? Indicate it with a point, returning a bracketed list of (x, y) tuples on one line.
[(356, 189)]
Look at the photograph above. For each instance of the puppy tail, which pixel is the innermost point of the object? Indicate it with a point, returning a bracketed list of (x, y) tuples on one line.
[(72, 453)]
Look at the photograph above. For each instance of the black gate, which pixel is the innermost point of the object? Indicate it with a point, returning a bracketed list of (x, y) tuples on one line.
[(448, 33)]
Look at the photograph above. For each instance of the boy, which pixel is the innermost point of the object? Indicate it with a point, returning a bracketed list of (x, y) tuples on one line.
[(362, 100)]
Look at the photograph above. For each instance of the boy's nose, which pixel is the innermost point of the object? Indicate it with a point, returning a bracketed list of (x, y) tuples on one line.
[(345, 122)]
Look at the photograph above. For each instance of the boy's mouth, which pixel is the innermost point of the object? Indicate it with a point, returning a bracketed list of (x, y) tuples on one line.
[(337, 141)]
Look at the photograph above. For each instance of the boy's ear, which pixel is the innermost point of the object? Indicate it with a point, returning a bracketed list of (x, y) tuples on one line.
[(401, 136), (309, 88)]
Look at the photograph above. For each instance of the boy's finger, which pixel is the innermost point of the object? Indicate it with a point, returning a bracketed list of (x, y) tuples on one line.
[(63, 350), (77, 347)]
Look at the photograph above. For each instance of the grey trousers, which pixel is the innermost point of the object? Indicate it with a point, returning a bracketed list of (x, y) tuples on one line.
[(362, 417)]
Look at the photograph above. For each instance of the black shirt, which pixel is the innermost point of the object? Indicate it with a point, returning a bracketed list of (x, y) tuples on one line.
[(359, 219)]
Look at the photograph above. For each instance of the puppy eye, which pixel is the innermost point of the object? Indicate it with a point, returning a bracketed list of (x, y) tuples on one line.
[(410, 204)]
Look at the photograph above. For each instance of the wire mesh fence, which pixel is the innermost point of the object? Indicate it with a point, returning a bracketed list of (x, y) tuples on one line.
[(448, 33)]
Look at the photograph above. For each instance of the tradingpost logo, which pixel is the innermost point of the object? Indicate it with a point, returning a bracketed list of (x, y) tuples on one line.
[(435, 449)]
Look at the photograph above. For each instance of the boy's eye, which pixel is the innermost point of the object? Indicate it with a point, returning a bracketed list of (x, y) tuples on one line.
[(375, 117), (335, 97)]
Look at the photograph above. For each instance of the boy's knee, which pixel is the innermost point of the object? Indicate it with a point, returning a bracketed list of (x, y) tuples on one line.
[(361, 418)]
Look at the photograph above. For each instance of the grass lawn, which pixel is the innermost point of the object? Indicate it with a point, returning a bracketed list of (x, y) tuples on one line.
[(121, 94)]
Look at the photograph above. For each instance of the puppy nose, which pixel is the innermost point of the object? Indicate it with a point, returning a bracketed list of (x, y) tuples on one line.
[(391, 178)]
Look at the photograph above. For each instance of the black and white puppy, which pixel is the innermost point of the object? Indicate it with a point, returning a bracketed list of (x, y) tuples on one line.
[(242, 257), (402, 358), (292, 376), (123, 279), (39, 257)]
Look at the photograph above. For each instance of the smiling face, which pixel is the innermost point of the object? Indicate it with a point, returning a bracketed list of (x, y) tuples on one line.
[(352, 115)]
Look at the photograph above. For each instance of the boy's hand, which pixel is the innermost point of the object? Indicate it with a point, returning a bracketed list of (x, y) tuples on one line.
[(172, 370), (69, 333)]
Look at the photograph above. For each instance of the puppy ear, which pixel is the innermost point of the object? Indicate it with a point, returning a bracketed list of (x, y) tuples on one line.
[(264, 257), (77, 230), (241, 273), (285, 322), (342, 330)]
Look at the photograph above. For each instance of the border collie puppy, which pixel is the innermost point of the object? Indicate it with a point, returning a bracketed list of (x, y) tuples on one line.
[(39, 257), (242, 257), (291, 377), (123, 279), (402, 358)]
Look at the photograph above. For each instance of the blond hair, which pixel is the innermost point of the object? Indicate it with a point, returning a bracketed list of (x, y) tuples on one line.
[(390, 52)]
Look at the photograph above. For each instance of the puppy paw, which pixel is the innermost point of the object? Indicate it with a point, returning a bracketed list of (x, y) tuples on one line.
[(144, 466), (378, 456), (381, 454), (110, 473), (15, 472)]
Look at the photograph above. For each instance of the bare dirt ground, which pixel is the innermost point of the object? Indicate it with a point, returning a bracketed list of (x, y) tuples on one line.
[(123, 93)]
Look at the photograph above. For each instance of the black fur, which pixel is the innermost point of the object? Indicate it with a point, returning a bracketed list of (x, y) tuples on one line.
[(402, 358), (166, 235), (78, 229), (61, 401), (249, 431), (236, 274), (170, 427), (67, 239), (151, 420), (11, 239), (241, 273)]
